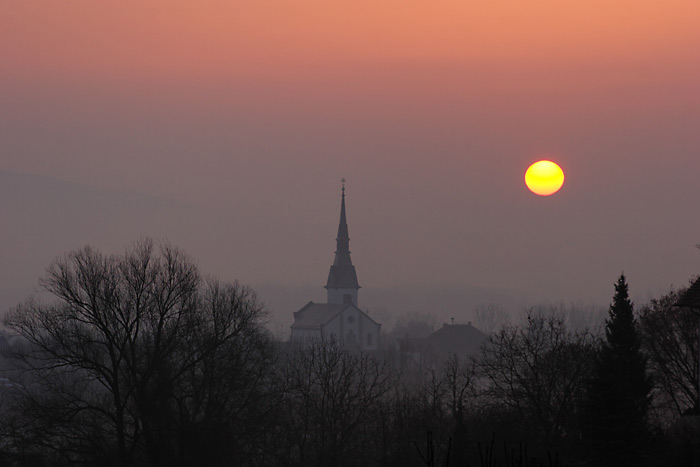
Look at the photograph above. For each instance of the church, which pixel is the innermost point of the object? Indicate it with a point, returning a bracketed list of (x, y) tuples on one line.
[(339, 319)]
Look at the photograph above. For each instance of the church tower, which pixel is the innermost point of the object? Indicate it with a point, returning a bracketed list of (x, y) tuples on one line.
[(340, 319), (342, 283)]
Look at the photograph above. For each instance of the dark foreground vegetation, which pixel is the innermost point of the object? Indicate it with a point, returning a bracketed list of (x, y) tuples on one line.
[(140, 361)]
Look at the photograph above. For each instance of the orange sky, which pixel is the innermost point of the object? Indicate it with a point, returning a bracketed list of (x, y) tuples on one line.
[(210, 39)]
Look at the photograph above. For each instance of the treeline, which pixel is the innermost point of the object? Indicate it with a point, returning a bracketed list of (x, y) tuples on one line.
[(141, 361)]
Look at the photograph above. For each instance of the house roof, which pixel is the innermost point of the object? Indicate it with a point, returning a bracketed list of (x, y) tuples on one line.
[(314, 315), (691, 297), (460, 339), (456, 338)]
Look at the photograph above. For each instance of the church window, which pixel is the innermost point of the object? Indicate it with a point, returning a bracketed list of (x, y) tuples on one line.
[(369, 338)]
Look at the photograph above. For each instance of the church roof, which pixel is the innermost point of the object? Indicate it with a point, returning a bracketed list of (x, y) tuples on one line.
[(314, 315), (342, 274)]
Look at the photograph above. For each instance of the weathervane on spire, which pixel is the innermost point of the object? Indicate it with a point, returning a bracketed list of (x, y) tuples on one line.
[(343, 180)]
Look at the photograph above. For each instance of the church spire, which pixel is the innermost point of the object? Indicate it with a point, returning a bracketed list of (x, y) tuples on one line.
[(342, 283), (342, 250)]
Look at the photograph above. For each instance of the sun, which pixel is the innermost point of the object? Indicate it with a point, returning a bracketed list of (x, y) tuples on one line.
[(544, 178)]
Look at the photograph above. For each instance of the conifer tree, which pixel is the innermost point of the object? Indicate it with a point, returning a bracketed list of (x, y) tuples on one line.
[(618, 399)]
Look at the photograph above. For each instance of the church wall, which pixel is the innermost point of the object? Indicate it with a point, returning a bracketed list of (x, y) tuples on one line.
[(332, 329), (350, 326), (354, 325), (305, 334), (369, 327)]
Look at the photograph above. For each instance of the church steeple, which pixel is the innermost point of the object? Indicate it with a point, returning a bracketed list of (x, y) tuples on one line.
[(342, 283)]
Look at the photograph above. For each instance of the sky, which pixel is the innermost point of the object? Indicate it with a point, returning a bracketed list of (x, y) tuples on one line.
[(227, 126)]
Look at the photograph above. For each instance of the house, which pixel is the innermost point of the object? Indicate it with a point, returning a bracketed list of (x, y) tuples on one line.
[(461, 340), (339, 319)]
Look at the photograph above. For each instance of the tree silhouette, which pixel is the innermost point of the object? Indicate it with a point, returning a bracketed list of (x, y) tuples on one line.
[(670, 340), (619, 393), (139, 361), (539, 371)]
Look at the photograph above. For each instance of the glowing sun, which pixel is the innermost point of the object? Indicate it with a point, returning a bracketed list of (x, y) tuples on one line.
[(544, 178)]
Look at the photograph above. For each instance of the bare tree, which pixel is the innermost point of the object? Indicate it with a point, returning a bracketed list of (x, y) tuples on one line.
[(576, 316), (333, 405), (414, 324), (538, 370), (131, 354), (670, 341), (458, 395), (490, 318)]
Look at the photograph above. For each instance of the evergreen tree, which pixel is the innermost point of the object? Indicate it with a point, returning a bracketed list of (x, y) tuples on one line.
[(619, 393)]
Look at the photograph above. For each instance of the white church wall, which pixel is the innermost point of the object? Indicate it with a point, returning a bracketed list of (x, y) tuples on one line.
[(371, 329), (350, 324), (301, 334), (331, 330)]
